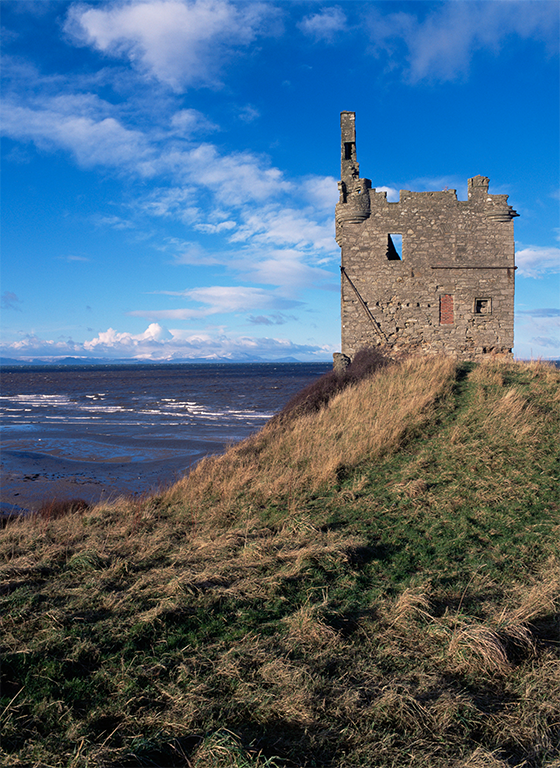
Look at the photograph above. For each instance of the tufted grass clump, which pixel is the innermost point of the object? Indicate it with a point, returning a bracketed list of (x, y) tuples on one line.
[(318, 394), (374, 582)]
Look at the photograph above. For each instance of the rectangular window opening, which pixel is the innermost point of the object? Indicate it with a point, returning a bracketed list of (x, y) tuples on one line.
[(483, 306), (394, 247), (446, 309), (348, 150)]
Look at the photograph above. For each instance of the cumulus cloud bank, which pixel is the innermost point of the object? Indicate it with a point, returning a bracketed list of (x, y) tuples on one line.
[(159, 343)]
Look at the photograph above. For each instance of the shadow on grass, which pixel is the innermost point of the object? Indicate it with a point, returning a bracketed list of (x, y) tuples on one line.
[(240, 749)]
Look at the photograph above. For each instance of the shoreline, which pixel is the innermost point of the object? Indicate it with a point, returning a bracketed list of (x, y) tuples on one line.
[(28, 479)]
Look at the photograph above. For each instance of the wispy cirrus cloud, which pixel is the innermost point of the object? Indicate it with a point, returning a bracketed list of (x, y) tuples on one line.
[(71, 257), (537, 261), (178, 42), (235, 178), (219, 299), (286, 226), (440, 44), (537, 333), (238, 196), (287, 270), (115, 222), (187, 122), (69, 124), (325, 24), (94, 133), (278, 318), (540, 312)]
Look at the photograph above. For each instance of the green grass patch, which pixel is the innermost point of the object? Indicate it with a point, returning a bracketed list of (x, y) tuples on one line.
[(400, 608)]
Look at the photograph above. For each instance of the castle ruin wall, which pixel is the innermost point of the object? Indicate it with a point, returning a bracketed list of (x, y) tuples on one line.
[(451, 287)]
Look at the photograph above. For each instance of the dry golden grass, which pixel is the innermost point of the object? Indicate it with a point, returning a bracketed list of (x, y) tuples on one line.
[(357, 587), (284, 460), (223, 750), (482, 758)]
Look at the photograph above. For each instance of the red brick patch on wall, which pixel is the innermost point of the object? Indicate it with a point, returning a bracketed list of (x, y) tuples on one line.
[(446, 309)]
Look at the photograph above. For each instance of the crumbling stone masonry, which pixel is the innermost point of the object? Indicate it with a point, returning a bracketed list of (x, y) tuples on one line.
[(430, 273)]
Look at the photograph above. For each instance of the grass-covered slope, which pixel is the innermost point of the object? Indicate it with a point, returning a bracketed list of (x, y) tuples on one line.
[(372, 584)]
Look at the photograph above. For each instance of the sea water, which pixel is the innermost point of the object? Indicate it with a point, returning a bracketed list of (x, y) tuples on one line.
[(96, 432)]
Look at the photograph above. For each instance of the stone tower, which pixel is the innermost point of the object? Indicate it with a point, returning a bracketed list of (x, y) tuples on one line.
[(429, 273)]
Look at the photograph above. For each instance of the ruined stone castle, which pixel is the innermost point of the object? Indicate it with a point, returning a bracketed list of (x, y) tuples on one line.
[(429, 273)]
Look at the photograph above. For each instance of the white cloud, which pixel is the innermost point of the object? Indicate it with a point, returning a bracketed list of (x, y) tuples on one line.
[(110, 339), (178, 42), (220, 299), (441, 45), (325, 24), (286, 270), (537, 261), (193, 253), (236, 178), (287, 226), (214, 229), (116, 222), (393, 194), (277, 318), (186, 122), (91, 140), (87, 128), (548, 342), (31, 345), (541, 312), (248, 113), (159, 343), (321, 192), (171, 314), (537, 334), (174, 202)]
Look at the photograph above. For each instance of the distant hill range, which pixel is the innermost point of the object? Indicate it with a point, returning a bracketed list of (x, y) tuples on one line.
[(11, 361)]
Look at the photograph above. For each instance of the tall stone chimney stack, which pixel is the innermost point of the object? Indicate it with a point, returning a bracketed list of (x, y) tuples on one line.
[(349, 166)]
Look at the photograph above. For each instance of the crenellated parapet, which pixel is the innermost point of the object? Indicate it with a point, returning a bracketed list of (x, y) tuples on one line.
[(494, 207), (429, 272)]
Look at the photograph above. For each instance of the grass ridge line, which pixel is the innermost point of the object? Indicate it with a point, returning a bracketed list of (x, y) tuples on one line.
[(371, 581)]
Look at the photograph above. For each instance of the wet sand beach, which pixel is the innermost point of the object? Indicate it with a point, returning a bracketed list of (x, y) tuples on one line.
[(29, 479), (99, 432)]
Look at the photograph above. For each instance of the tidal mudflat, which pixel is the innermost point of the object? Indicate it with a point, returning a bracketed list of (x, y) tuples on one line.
[(99, 432)]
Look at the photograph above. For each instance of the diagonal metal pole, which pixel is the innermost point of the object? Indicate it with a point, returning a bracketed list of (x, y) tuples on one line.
[(365, 306)]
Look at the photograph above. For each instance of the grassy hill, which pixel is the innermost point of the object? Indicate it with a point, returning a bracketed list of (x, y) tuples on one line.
[(371, 583)]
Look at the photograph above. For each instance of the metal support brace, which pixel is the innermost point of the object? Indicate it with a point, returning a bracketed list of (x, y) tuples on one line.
[(365, 306)]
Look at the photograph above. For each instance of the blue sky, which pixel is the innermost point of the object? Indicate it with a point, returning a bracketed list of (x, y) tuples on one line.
[(170, 166)]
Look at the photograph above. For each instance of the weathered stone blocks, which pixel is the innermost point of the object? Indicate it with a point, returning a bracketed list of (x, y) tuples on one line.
[(450, 290)]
